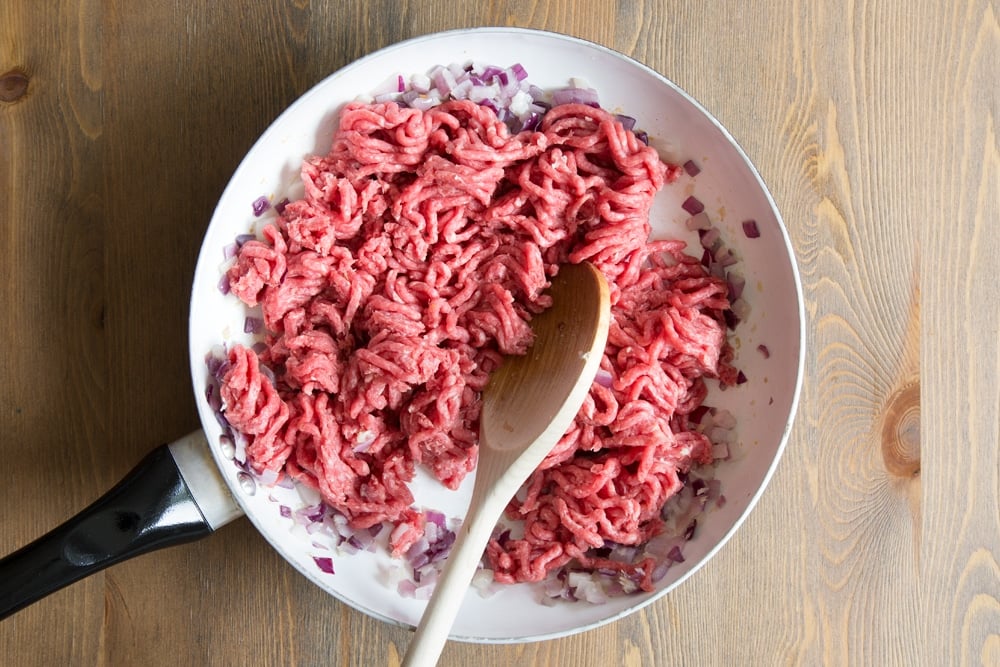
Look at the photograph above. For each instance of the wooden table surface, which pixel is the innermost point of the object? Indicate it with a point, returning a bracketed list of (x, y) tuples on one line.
[(874, 124)]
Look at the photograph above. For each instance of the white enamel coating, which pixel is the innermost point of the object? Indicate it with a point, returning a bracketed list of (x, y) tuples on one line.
[(732, 191)]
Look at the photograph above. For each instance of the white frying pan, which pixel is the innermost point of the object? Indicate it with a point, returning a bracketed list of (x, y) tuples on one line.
[(191, 487)]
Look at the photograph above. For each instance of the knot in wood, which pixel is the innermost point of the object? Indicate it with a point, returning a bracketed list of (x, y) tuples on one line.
[(13, 85), (901, 431)]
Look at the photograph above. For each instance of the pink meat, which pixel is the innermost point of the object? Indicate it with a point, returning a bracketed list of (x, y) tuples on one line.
[(416, 259)]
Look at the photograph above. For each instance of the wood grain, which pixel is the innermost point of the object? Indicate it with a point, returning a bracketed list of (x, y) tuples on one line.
[(874, 125)]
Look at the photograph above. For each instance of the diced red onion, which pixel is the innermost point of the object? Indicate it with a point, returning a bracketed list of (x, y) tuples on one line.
[(324, 563), (252, 325), (689, 531), (223, 285), (483, 582), (692, 168), (724, 419), (587, 588), (436, 517), (627, 121), (268, 477), (213, 398), (364, 441), (260, 204), (764, 351), (741, 308), (711, 238), (603, 378), (443, 80), (725, 256), (741, 378), (736, 283), (698, 414), (420, 83), (659, 572), (586, 96), (406, 588), (699, 221), (310, 513), (424, 592), (240, 453), (693, 205), (392, 84), (221, 419), (750, 229), (623, 553)]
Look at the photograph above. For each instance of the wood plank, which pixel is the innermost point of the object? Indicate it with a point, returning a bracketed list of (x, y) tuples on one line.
[(51, 293), (874, 124), (960, 361)]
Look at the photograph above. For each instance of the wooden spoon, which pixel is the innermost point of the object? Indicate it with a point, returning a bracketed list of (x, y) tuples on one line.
[(528, 405)]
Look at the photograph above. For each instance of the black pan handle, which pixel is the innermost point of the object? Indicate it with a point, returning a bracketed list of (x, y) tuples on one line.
[(175, 495)]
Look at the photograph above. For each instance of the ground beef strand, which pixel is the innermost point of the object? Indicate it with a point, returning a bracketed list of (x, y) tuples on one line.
[(415, 260)]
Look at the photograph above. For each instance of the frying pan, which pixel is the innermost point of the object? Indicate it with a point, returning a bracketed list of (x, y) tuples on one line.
[(186, 489)]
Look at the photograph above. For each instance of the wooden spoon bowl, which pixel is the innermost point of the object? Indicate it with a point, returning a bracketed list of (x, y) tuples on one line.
[(528, 405)]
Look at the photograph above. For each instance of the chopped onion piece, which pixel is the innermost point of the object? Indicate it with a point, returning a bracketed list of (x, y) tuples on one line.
[(603, 378), (724, 419), (324, 563), (580, 95), (252, 325), (750, 229), (483, 582), (699, 221), (421, 83), (693, 205), (725, 256), (268, 477), (392, 84), (691, 168), (627, 121), (741, 308), (711, 238), (260, 205), (736, 283)]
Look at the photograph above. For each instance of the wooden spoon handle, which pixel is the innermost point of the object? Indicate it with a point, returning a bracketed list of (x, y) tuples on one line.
[(453, 584)]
